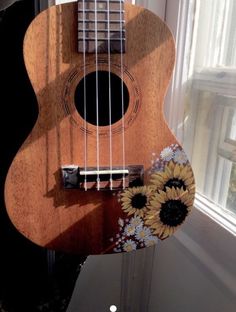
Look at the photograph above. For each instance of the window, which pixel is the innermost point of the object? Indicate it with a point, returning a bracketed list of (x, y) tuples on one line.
[(208, 84)]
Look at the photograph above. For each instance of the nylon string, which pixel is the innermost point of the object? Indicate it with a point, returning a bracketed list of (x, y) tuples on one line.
[(122, 93), (85, 106), (97, 112), (109, 78)]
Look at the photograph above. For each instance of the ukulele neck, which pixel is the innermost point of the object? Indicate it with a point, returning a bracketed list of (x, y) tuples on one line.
[(101, 26)]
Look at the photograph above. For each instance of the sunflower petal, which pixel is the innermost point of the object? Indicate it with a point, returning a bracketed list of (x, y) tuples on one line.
[(176, 171), (184, 172)]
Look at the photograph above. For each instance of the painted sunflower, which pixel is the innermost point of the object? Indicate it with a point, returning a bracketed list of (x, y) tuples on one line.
[(168, 210), (174, 175), (135, 200)]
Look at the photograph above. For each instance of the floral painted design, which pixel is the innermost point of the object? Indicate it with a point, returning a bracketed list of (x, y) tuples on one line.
[(142, 233), (129, 245), (171, 153), (133, 235), (174, 175), (155, 211), (167, 154), (180, 157), (135, 200), (168, 210), (151, 240)]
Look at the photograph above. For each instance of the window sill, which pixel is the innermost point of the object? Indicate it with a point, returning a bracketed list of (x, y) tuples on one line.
[(222, 216), (221, 80)]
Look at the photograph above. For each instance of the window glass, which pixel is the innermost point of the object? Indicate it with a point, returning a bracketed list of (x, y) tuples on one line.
[(210, 101)]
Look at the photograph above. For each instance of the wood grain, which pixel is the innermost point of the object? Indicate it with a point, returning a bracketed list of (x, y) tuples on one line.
[(74, 220)]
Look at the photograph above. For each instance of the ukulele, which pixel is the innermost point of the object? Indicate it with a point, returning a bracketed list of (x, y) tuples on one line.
[(100, 172)]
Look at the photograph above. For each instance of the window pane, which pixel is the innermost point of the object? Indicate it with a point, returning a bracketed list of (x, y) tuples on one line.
[(216, 33), (211, 102)]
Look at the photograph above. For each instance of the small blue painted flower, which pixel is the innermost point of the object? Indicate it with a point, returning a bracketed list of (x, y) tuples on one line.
[(136, 221), (129, 229), (129, 245), (142, 233), (150, 240), (180, 157)]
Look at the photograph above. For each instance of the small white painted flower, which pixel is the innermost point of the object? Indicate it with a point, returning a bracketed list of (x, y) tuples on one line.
[(150, 240), (180, 157), (136, 221), (121, 222), (142, 233), (129, 245), (129, 230), (167, 154)]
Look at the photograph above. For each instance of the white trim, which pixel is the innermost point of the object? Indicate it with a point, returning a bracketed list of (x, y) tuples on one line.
[(221, 83), (219, 80), (227, 146), (217, 213)]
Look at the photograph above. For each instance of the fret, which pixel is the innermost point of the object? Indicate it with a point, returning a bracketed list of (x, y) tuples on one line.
[(101, 11), (91, 26), (98, 6), (80, 20), (101, 30), (89, 46), (101, 35), (100, 16), (101, 39), (101, 26)]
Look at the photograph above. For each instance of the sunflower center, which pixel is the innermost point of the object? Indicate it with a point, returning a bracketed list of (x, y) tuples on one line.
[(139, 201), (173, 212), (175, 182)]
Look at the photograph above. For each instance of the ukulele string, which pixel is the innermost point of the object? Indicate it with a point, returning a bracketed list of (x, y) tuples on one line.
[(122, 93), (97, 112), (85, 101), (109, 82)]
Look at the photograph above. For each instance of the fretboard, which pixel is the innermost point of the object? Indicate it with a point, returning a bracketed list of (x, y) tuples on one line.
[(101, 26)]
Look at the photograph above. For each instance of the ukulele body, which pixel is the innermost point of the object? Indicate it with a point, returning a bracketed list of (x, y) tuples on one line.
[(75, 220)]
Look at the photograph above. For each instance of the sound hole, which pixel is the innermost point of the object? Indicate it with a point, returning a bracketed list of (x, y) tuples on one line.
[(103, 98)]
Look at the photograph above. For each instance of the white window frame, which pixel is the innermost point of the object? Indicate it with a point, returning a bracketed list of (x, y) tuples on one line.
[(219, 80)]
